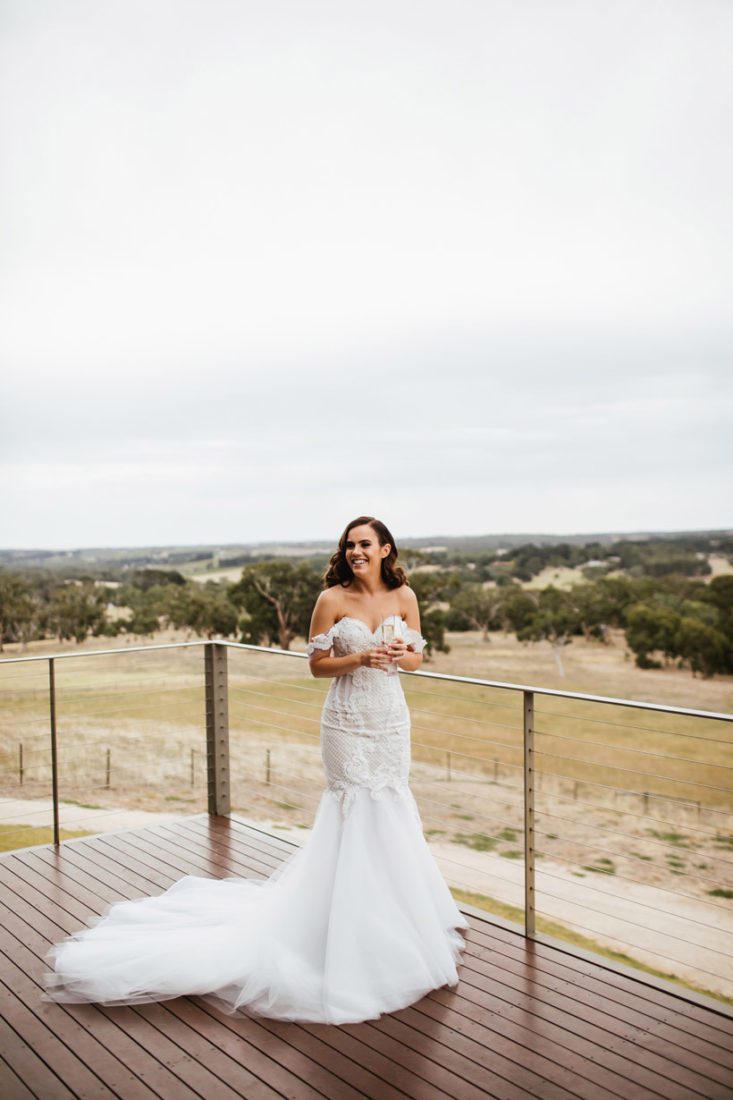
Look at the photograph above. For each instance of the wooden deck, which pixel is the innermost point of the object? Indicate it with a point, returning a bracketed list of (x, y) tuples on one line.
[(527, 1020)]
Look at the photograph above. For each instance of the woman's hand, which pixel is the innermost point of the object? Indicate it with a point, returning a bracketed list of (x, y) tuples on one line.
[(397, 649), (376, 658)]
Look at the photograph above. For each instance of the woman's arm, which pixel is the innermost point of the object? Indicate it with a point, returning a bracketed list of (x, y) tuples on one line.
[(320, 661)]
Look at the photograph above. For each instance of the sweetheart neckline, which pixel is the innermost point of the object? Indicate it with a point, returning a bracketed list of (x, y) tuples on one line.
[(376, 628)]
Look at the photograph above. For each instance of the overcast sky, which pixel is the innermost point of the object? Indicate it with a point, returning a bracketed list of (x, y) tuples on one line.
[(268, 265)]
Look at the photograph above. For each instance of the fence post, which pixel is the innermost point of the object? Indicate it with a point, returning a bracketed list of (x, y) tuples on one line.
[(54, 750), (529, 772), (217, 728)]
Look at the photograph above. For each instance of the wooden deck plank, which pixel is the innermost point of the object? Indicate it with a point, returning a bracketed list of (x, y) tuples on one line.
[(584, 1050), (11, 1086), (292, 1081), (685, 1068), (368, 1078), (24, 1061), (701, 1061), (158, 1039), (88, 1048), (114, 1037), (240, 862), (617, 994), (45, 1043), (527, 1020), (288, 1083)]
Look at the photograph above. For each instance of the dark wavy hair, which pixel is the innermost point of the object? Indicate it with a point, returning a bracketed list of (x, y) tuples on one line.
[(340, 572)]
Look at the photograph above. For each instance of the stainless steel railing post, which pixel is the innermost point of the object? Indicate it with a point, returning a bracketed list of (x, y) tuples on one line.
[(217, 728), (529, 788), (54, 750)]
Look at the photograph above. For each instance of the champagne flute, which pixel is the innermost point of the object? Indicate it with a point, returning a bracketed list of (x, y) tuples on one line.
[(389, 633)]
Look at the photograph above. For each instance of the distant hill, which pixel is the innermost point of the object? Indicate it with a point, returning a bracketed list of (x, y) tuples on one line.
[(180, 557)]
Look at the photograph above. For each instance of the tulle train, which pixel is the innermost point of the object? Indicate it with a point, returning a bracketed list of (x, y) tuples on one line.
[(356, 923)]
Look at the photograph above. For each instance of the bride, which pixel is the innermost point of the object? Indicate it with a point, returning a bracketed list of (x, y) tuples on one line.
[(357, 922)]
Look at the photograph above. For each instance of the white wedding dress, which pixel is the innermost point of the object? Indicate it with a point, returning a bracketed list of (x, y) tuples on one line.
[(357, 922)]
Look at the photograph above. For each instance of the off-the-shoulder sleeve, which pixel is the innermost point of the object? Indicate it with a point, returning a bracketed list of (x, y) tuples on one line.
[(321, 641), (414, 639)]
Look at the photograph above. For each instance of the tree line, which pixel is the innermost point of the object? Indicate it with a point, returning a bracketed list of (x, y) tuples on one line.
[(671, 618), (667, 617)]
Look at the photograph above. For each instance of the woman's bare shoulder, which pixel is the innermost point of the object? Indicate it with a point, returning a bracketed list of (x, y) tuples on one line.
[(330, 601), (408, 599), (409, 607)]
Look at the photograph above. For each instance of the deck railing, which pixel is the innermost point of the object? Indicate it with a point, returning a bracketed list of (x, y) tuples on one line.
[(621, 810)]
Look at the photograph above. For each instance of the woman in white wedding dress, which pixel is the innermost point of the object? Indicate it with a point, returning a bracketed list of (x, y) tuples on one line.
[(357, 922)]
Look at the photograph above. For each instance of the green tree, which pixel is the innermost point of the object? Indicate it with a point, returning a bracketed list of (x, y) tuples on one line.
[(705, 649), (17, 609), (518, 608), (555, 620), (480, 606), (203, 608), (433, 626), (76, 610), (651, 627), (278, 597)]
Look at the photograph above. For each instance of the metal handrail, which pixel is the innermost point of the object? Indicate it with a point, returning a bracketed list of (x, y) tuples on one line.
[(503, 685)]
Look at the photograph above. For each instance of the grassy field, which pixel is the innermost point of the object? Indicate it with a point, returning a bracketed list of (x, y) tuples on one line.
[(27, 836)]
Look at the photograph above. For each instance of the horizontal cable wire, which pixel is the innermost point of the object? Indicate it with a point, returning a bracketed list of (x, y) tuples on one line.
[(29, 767), (31, 671), (617, 939), (468, 737), (454, 699), (244, 719), (285, 713), (486, 761), (627, 878), (629, 748), (30, 721), (515, 802), (279, 698), (482, 740), (644, 904), (31, 750), (74, 821), (645, 775), (129, 711), (70, 690), (630, 726), (258, 678), (471, 737), (625, 920), (635, 771), (640, 839), (634, 813)]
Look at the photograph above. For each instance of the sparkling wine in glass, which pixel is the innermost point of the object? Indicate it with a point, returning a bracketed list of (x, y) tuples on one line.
[(388, 632)]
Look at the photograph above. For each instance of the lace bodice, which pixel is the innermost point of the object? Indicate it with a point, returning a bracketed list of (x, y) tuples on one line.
[(365, 724), (344, 638)]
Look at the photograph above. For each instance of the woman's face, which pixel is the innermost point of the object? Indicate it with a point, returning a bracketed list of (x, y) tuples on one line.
[(363, 552)]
